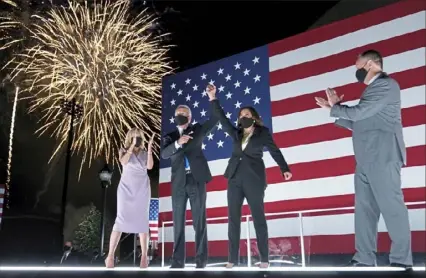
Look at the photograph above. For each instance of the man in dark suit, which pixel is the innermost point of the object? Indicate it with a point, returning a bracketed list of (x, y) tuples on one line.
[(190, 173)]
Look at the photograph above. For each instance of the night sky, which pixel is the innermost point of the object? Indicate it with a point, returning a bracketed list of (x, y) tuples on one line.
[(203, 31)]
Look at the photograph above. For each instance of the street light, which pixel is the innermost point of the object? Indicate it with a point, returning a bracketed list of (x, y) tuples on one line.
[(105, 176), (75, 111)]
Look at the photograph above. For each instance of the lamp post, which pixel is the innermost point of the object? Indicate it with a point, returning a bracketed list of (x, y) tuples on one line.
[(105, 176), (75, 111)]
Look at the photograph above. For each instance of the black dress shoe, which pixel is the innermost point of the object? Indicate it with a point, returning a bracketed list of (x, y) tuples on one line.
[(177, 266), (200, 265), (407, 267), (354, 263)]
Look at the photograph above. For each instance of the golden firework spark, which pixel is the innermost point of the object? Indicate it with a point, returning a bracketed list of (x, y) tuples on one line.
[(8, 24), (104, 59), (9, 159)]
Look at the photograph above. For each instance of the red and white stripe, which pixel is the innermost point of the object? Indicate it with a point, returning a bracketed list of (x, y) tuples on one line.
[(153, 228), (320, 154)]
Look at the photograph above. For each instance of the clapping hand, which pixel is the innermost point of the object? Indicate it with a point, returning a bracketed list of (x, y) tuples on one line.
[(151, 142), (211, 91), (332, 99)]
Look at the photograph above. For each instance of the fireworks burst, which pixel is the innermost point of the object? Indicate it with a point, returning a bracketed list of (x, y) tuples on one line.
[(104, 59), (8, 24)]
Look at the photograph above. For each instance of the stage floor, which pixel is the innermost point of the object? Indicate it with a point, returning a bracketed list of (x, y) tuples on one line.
[(64, 272)]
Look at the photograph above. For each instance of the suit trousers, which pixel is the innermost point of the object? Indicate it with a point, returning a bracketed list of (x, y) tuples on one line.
[(238, 189), (196, 193), (378, 190)]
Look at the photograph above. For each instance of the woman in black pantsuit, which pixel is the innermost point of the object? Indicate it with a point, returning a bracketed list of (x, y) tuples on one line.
[(247, 176)]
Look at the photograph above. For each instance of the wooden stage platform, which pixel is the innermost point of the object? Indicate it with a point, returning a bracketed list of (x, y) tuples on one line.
[(244, 272)]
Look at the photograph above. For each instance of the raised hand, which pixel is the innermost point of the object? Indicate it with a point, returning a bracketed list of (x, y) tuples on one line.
[(211, 91), (151, 142), (332, 97), (322, 102)]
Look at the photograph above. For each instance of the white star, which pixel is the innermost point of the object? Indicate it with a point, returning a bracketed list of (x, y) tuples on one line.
[(173, 102), (187, 81), (228, 95), (210, 136), (204, 93), (211, 82), (237, 84), (221, 88), (237, 66), (256, 100), (173, 86), (237, 105), (196, 104), (204, 76), (228, 77), (256, 78), (219, 126), (228, 115), (247, 91), (195, 87), (255, 60), (203, 113), (172, 120), (236, 122), (194, 122), (179, 92), (220, 144), (226, 134), (220, 71), (188, 97), (246, 72), (203, 146)]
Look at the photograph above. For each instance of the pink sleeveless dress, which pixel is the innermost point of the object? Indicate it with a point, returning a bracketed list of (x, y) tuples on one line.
[(133, 196)]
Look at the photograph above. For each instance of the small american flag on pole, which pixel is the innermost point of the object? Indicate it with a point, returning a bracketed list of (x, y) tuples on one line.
[(153, 219), (281, 80)]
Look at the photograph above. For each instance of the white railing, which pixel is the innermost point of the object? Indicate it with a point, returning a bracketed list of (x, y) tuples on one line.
[(247, 218)]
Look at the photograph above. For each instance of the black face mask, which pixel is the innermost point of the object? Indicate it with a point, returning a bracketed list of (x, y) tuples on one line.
[(246, 122), (138, 142), (181, 120), (361, 74)]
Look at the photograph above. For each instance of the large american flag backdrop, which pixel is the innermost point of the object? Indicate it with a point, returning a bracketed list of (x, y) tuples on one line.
[(281, 80)]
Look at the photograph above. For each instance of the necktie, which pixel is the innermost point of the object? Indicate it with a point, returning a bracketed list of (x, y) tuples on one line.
[(186, 163)]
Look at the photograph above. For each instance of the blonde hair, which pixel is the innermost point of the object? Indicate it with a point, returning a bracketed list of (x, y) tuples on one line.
[(134, 132)]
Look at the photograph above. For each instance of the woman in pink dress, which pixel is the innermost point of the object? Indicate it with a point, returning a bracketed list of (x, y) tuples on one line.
[(133, 195)]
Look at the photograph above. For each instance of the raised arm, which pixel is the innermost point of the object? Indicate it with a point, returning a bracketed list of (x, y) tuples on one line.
[(211, 123), (124, 155), (218, 111), (220, 114), (371, 103), (275, 151), (344, 123)]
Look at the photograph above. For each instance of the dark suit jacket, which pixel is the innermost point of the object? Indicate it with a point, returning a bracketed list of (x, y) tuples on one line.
[(251, 158), (192, 150)]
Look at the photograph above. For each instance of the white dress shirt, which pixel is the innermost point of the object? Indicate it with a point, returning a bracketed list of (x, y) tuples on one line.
[(374, 78)]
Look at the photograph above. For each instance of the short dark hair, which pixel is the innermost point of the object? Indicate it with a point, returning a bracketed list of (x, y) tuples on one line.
[(258, 121), (373, 55)]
